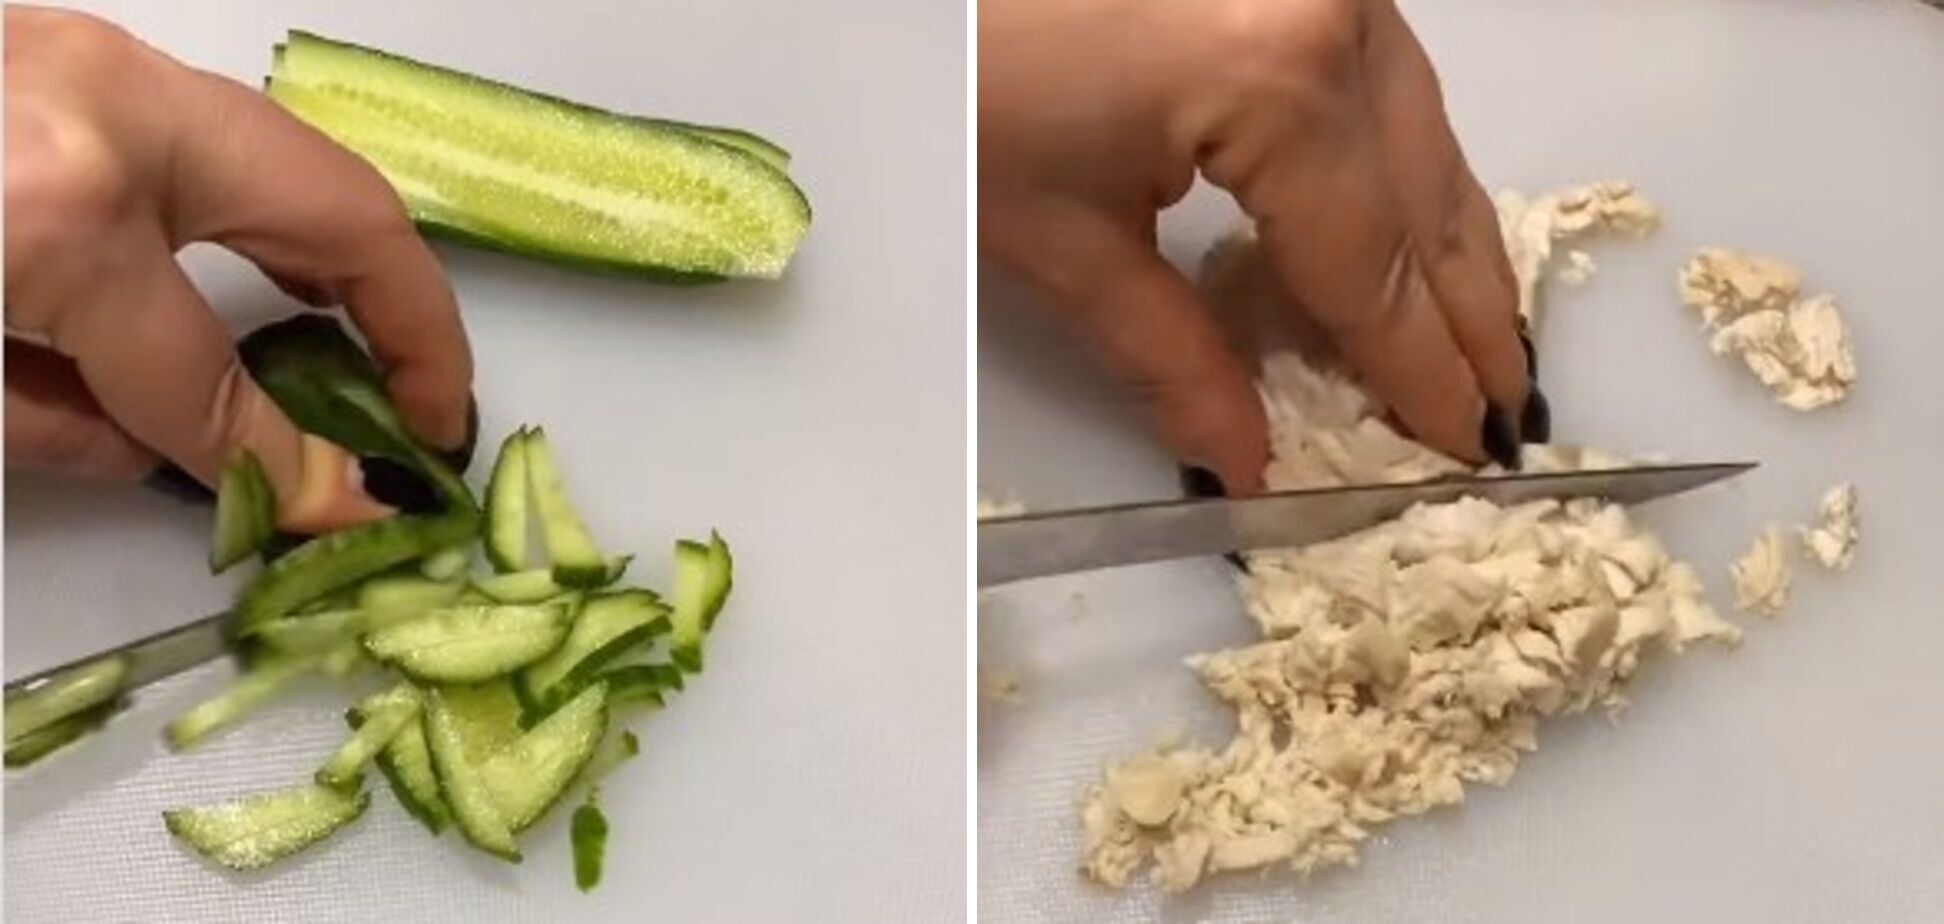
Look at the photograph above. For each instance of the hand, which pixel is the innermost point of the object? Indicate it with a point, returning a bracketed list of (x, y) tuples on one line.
[(1325, 121), (116, 157)]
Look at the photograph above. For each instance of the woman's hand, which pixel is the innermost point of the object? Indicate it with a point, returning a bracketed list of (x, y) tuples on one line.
[(116, 157), (1325, 121)]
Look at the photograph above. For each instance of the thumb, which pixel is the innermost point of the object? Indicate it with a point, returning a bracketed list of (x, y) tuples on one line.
[(1151, 328)]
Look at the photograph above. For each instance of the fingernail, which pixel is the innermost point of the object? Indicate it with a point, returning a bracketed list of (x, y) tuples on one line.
[(1201, 482), (169, 479), (1496, 434), (461, 456), (1535, 422), (1532, 356), (396, 485)]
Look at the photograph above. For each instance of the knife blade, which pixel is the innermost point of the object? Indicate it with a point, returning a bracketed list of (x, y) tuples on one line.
[(1033, 545), (150, 658)]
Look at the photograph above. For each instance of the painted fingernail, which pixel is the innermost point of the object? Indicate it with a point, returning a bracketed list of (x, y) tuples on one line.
[(461, 457), (396, 485), (1532, 356), (1535, 422), (1501, 442), (169, 479), (1200, 482)]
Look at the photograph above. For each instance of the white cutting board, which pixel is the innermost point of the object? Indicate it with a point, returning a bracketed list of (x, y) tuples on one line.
[(1798, 779), (817, 770)]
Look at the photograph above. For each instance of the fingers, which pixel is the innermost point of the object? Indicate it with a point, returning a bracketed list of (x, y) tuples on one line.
[(1452, 223), (252, 177), (161, 365), (54, 424), (1152, 330)]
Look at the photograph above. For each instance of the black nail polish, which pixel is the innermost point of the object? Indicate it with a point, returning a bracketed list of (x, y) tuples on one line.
[(461, 457), (1532, 355), (171, 480), (398, 485), (1200, 482), (1535, 422), (1500, 440)]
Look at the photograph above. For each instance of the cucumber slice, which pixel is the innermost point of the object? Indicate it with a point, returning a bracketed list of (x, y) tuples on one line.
[(506, 506), (246, 513), (527, 776), (488, 715), (407, 765), (377, 721), (538, 584), (66, 694), (342, 660), (251, 690), (647, 684), (576, 562), (315, 633), (330, 562), (703, 577), (588, 832), (494, 165), (262, 829), (447, 565), (34, 745), (473, 808), (608, 625), (406, 593), (468, 644)]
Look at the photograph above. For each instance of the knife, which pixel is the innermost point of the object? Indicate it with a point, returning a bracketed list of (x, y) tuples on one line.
[(146, 659), (1034, 545)]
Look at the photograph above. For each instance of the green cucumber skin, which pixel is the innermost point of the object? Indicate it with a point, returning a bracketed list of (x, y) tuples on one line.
[(246, 513), (333, 561), (588, 832), (508, 507), (416, 790), (542, 703), (722, 142), (29, 748)]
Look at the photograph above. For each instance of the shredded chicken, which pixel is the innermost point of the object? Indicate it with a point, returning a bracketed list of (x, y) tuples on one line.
[(1762, 575), (1832, 541), (1797, 346)]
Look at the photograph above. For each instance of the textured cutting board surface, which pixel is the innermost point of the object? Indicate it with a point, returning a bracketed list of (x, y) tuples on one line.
[(1793, 780), (817, 770)]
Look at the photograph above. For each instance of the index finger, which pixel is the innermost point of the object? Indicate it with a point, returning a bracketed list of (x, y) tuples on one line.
[(257, 180)]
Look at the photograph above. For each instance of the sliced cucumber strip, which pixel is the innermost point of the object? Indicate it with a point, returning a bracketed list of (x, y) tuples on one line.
[(315, 633), (34, 745), (246, 513), (379, 719), (506, 506), (608, 625), (538, 584), (468, 644), (447, 565), (479, 817), (502, 167), (330, 562), (488, 716), (703, 577), (527, 776), (406, 593), (68, 693), (407, 765), (576, 562), (249, 691), (647, 684), (262, 829), (588, 832)]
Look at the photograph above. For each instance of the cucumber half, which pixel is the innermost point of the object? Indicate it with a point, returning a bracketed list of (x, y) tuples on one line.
[(492, 164)]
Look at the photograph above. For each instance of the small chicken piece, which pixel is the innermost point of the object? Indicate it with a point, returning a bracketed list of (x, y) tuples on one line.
[(1762, 576), (1798, 347), (1832, 542)]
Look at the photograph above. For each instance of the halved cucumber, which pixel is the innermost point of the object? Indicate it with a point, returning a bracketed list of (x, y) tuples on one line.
[(331, 562), (536, 584), (468, 644), (576, 562), (608, 625), (506, 506), (262, 829), (703, 577), (246, 513), (473, 807), (375, 722), (527, 776), (249, 691), (492, 164), (66, 694)]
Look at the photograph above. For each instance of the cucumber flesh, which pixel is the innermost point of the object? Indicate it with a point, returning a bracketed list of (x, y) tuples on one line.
[(527, 776), (755, 145), (703, 577), (34, 745), (328, 563), (608, 625), (495, 165), (341, 660), (538, 584), (63, 695), (246, 513), (488, 717), (248, 692), (478, 816), (314, 633), (576, 562), (407, 593), (506, 506), (588, 832), (262, 829), (380, 719), (468, 644), (447, 565), (407, 765)]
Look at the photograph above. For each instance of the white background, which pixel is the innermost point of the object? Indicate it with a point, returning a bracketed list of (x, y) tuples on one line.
[(816, 771)]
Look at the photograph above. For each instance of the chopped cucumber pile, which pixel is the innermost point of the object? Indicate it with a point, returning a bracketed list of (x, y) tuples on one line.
[(487, 163), (511, 686)]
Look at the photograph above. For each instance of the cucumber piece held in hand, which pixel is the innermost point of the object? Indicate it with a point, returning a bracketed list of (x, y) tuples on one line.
[(246, 513), (495, 165)]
